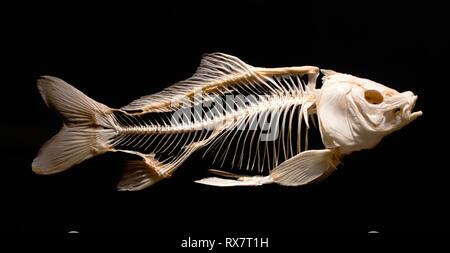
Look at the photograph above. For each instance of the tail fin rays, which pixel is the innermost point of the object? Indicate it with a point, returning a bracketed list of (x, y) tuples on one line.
[(83, 134)]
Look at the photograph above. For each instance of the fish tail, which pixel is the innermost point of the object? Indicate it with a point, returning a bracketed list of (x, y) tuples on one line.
[(87, 127)]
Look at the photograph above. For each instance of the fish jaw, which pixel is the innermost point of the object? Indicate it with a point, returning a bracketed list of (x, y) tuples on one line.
[(407, 111), (414, 115)]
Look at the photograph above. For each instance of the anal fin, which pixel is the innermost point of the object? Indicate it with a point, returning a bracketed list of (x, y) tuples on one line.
[(138, 175)]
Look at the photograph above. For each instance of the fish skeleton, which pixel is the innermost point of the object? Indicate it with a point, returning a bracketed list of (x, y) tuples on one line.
[(252, 118)]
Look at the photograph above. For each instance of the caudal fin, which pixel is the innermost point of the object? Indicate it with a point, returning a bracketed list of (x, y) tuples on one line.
[(86, 127)]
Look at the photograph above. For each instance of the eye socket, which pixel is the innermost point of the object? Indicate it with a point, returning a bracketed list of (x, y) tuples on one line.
[(373, 97)]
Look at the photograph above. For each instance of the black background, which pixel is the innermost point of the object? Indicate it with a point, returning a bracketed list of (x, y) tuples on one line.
[(117, 53)]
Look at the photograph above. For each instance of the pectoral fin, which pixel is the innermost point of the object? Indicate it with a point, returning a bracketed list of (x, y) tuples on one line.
[(300, 169), (305, 167)]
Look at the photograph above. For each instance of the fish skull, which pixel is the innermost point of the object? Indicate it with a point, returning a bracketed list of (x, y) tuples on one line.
[(356, 113)]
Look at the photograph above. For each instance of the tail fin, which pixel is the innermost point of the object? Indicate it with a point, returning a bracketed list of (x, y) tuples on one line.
[(83, 135)]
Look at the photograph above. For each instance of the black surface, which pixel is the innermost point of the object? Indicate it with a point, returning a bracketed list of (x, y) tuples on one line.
[(116, 53)]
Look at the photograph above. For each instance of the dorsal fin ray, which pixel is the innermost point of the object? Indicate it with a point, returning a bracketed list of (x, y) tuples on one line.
[(216, 70)]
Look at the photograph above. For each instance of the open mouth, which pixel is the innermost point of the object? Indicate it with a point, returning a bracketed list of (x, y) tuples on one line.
[(408, 109)]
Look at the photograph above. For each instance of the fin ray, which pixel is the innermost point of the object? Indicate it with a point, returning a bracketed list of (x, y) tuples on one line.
[(214, 68), (216, 72), (82, 135), (138, 175), (305, 167)]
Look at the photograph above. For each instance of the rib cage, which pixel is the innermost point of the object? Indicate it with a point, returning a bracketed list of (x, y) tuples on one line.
[(148, 127), (248, 150)]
